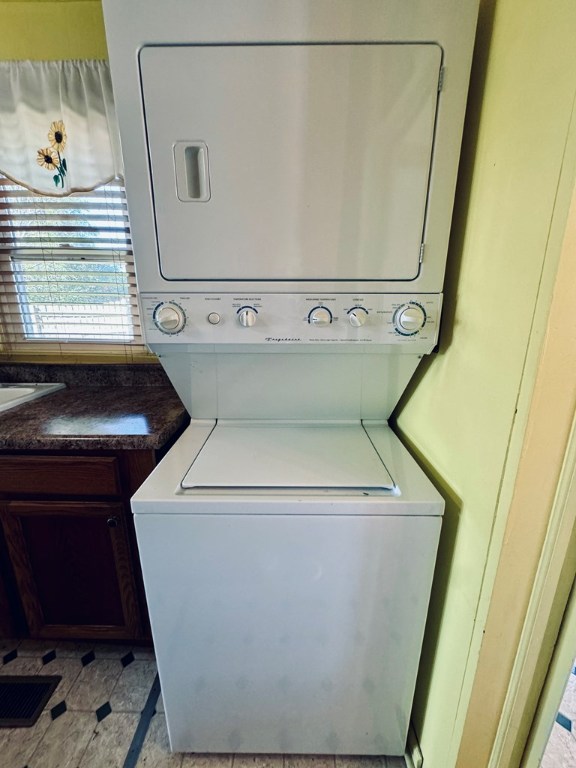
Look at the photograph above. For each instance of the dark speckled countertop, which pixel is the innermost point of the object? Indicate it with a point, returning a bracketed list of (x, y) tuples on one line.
[(102, 407)]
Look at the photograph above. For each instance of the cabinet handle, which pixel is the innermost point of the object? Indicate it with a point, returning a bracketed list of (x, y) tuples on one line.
[(112, 522)]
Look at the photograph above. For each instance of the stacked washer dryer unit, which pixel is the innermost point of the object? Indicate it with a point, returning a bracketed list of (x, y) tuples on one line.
[(290, 171)]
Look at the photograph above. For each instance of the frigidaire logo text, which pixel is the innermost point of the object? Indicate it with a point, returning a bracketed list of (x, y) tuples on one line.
[(285, 338)]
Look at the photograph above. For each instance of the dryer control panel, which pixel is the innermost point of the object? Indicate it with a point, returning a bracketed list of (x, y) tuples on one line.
[(272, 319)]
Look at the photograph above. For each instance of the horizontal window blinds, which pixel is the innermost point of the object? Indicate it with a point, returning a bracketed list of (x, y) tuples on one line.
[(67, 274)]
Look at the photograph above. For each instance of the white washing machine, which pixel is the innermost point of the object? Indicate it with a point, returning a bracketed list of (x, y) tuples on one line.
[(287, 575), (290, 171)]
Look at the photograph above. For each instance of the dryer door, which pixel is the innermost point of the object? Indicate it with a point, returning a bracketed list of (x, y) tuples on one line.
[(290, 162)]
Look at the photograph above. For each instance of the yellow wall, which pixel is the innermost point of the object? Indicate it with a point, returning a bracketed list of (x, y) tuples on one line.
[(462, 415), (52, 29)]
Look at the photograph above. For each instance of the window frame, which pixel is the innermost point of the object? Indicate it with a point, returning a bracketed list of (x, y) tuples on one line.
[(15, 344)]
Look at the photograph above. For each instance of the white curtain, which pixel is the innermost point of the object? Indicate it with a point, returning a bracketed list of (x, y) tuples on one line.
[(58, 130)]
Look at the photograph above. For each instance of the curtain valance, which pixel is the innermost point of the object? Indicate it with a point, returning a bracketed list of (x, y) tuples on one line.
[(58, 130)]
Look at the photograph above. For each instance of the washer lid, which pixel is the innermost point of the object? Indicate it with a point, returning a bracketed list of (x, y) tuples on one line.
[(238, 455)]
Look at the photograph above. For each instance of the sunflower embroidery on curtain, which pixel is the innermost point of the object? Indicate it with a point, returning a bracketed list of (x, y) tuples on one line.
[(51, 157), (47, 107)]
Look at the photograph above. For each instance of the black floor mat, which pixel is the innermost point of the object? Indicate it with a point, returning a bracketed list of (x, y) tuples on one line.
[(23, 697)]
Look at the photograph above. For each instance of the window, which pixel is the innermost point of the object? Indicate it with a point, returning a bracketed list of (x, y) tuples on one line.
[(67, 270)]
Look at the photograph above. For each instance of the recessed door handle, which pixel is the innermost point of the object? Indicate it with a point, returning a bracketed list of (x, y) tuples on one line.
[(192, 171)]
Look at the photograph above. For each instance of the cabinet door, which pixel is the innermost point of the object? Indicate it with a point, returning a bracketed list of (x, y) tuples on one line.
[(71, 562)]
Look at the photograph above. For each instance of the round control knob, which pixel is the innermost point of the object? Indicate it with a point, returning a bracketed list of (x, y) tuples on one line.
[(409, 319), (320, 316), (247, 317), (213, 318), (169, 317), (357, 317)]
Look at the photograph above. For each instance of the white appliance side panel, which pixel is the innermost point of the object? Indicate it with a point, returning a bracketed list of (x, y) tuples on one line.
[(287, 634), (290, 162), (320, 386)]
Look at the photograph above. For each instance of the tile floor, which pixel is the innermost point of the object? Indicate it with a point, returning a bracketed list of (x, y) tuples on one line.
[(561, 748), (92, 716)]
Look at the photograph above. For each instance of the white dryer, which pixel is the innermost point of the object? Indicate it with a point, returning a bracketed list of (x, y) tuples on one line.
[(290, 171)]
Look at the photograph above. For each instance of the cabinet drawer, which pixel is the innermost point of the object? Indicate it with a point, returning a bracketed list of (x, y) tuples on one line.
[(62, 475)]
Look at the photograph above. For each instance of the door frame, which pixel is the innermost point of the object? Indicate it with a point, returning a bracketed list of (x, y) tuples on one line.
[(560, 550), (529, 593), (548, 641)]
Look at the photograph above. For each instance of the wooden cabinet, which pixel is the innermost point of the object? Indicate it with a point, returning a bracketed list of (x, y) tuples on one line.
[(70, 543)]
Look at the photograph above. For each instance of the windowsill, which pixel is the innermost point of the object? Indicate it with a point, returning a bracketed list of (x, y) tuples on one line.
[(79, 358)]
